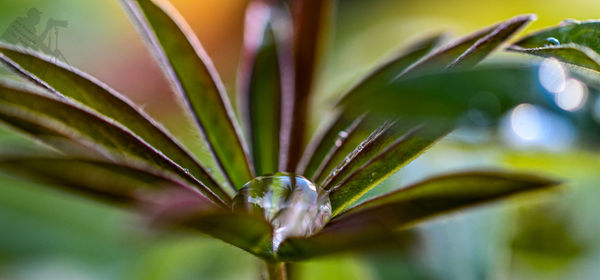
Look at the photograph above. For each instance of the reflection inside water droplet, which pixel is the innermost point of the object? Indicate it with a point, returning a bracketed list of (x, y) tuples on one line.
[(552, 41), (292, 204)]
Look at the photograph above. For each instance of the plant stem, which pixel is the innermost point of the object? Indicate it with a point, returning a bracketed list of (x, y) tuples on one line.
[(275, 271)]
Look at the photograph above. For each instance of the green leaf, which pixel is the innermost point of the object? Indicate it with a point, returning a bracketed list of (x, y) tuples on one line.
[(89, 129), (69, 82), (569, 53), (488, 44), (193, 75), (32, 129), (261, 87), (346, 142), (323, 144), (582, 40), (111, 182), (438, 195), (449, 95), (323, 153), (470, 49), (311, 21), (380, 156), (247, 232)]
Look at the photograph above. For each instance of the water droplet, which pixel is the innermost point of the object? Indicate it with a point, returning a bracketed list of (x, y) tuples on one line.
[(552, 41), (338, 143), (343, 134), (291, 203)]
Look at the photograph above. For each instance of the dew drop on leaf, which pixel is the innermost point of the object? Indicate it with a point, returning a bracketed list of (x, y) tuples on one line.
[(552, 41), (338, 143), (293, 205)]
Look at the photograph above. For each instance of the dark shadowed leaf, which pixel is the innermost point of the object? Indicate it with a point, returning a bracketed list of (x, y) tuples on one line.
[(261, 87), (111, 182), (450, 94), (69, 82), (379, 157), (581, 40), (439, 195), (247, 232), (94, 131), (335, 239), (192, 73), (311, 21), (44, 136)]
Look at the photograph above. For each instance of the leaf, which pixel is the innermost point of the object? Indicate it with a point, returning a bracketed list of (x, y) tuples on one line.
[(334, 239), (193, 75), (448, 95), (311, 19), (112, 182), (569, 53), (65, 81), (324, 144), (378, 158), (486, 45), (581, 40), (323, 148), (439, 195), (247, 232), (92, 130), (475, 47), (346, 142), (262, 87)]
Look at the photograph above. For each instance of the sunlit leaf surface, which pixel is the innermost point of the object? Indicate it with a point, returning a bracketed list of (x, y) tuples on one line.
[(572, 41)]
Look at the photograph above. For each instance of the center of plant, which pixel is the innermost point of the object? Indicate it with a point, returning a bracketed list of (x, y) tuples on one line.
[(293, 205)]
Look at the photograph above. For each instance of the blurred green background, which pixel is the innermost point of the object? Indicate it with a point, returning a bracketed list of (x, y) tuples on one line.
[(47, 234)]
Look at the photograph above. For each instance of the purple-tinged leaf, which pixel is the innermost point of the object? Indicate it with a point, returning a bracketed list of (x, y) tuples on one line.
[(193, 75), (311, 21), (107, 181), (488, 44), (92, 130), (68, 82), (475, 47), (439, 195)]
